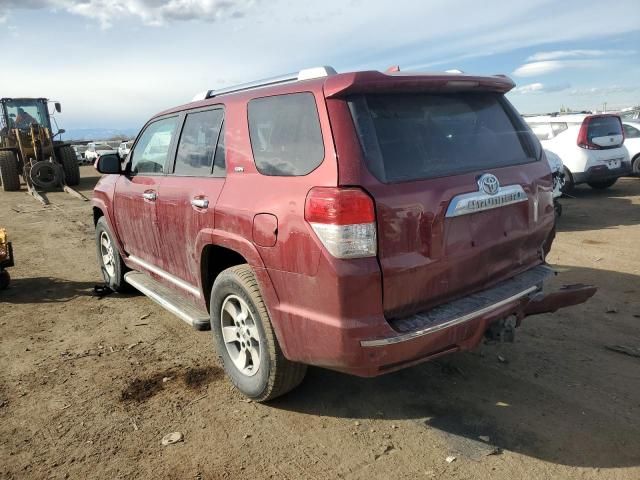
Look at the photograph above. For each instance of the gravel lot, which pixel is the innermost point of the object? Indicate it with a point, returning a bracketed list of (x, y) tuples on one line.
[(89, 386)]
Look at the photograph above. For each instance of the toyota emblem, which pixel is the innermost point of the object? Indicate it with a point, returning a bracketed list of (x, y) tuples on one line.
[(489, 184)]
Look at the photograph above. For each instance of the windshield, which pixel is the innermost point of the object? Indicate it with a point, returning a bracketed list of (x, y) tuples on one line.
[(23, 113), (103, 146), (419, 136)]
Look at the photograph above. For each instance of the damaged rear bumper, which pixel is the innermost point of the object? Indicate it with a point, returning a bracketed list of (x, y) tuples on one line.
[(461, 324)]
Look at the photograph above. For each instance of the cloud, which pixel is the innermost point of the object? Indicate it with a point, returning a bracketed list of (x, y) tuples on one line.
[(601, 90), (540, 88), (530, 88), (564, 54), (150, 12), (548, 66)]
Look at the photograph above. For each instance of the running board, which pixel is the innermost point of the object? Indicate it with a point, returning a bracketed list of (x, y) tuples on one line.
[(169, 300)]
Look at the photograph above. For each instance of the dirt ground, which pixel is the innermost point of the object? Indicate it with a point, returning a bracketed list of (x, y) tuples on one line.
[(89, 386)]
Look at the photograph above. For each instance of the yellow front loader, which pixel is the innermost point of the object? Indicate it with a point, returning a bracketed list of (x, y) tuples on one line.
[(28, 149), (6, 259)]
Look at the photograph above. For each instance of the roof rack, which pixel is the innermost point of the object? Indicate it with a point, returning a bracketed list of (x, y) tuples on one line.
[(305, 74)]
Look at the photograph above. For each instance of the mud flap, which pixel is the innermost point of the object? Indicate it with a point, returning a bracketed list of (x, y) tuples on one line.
[(567, 296)]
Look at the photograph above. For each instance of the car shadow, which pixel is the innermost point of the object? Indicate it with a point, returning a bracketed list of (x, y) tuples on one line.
[(557, 394), (589, 209), (45, 290)]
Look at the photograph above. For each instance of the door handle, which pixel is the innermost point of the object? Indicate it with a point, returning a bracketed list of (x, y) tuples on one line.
[(200, 202), (151, 196)]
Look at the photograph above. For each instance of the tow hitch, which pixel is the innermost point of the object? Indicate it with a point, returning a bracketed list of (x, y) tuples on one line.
[(504, 330)]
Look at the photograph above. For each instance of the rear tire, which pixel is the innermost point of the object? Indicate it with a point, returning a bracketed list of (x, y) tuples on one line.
[(67, 157), (602, 185), (266, 374), (111, 265), (9, 174), (635, 166)]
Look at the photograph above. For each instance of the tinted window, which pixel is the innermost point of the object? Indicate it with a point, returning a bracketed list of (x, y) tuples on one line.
[(603, 127), (152, 149), (285, 134), (631, 132), (198, 143), (415, 136)]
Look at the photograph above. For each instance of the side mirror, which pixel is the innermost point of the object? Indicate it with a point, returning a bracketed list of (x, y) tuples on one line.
[(58, 107), (60, 132), (109, 163)]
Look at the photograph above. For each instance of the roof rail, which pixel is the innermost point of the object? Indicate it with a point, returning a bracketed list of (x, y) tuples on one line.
[(305, 74)]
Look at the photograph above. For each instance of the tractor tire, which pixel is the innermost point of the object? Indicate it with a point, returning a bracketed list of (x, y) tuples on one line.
[(9, 173), (5, 279), (67, 157)]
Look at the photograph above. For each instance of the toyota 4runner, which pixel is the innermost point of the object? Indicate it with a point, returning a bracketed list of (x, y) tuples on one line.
[(361, 222)]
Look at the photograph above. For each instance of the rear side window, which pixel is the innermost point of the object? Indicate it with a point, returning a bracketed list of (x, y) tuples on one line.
[(419, 136), (631, 132), (152, 149), (285, 134), (603, 127), (198, 142)]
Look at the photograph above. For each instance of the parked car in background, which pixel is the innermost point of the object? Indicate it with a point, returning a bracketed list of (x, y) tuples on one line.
[(79, 156), (632, 142), (362, 222), (632, 115), (557, 172), (124, 148), (94, 150), (590, 147)]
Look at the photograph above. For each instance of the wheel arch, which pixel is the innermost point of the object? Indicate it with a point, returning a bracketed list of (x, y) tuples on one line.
[(99, 210), (234, 250)]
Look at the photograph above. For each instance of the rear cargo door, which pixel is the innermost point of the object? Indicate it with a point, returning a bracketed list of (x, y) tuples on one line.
[(605, 131), (458, 197)]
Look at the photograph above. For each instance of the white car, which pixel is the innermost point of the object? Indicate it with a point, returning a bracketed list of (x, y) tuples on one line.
[(124, 148), (94, 150), (557, 172), (632, 142), (590, 147)]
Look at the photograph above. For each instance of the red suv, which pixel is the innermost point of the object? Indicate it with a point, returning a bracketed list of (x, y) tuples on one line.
[(362, 222)]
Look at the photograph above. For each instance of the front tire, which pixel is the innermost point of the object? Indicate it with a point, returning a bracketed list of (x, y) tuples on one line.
[(111, 265), (602, 185), (67, 157), (245, 340), (9, 174), (569, 184)]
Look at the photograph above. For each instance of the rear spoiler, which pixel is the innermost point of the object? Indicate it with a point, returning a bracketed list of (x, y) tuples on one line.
[(344, 84)]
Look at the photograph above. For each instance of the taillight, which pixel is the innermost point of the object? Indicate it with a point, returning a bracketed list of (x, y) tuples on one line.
[(583, 136), (344, 220)]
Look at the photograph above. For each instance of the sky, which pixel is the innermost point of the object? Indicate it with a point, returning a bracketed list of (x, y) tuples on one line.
[(114, 63)]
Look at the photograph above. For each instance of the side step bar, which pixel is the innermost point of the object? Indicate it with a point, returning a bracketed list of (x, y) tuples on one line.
[(169, 300)]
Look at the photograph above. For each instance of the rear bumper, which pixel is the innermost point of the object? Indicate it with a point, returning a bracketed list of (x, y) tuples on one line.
[(602, 172), (456, 326)]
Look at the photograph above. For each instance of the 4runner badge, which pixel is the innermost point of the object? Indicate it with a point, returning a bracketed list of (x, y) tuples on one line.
[(489, 195)]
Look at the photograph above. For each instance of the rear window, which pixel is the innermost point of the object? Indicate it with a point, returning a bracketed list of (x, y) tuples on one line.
[(603, 127), (419, 136), (285, 134)]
